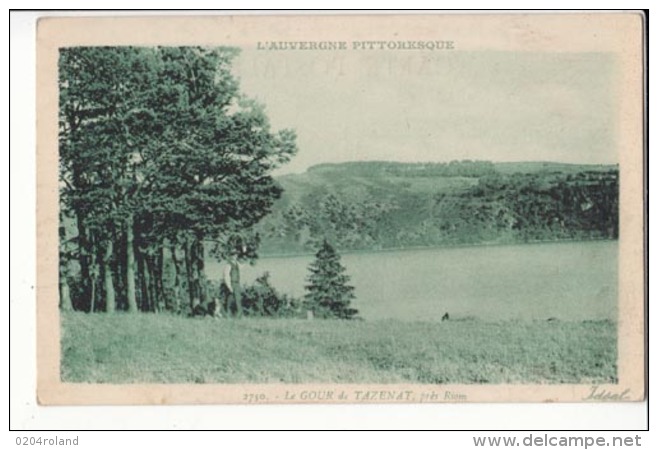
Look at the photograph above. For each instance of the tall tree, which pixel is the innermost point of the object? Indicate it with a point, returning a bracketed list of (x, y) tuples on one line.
[(213, 161), (93, 84), (328, 293), (64, 257), (159, 150)]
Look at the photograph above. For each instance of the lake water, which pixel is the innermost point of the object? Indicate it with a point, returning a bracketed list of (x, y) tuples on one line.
[(567, 281)]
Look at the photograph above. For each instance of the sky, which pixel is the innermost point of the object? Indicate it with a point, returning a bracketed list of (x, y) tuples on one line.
[(416, 106)]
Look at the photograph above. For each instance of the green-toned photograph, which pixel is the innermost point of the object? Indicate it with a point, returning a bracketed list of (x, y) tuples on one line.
[(277, 215), (340, 209)]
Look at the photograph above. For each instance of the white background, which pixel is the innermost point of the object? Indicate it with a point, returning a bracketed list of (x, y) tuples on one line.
[(26, 415)]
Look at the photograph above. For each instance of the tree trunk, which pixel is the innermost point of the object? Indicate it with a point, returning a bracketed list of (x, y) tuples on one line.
[(159, 283), (131, 296), (108, 283), (95, 265), (201, 272), (143, 280), (151, 277), (191, 274), (64, 291), (92, 290), (177, 277), (148, 292), (84, 254), (118, 266)]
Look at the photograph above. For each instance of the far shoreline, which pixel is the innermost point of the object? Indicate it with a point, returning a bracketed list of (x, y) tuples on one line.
[(443, 246)]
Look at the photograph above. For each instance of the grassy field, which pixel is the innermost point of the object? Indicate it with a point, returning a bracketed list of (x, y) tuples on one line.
[(169, 349)]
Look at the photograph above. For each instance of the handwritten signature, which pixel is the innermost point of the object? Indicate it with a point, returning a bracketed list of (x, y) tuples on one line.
[(600, 394)]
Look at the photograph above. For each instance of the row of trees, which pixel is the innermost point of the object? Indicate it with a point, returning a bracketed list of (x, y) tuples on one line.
[(496, 207), (464, 168), (160, 157)]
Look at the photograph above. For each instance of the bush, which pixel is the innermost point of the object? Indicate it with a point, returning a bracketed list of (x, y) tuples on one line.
[(261, 299)]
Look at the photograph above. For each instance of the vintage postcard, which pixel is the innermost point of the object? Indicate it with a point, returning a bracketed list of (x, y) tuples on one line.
[(341, 208)]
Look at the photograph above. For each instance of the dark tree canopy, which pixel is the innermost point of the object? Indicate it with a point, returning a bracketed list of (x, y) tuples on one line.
[(159, 152)]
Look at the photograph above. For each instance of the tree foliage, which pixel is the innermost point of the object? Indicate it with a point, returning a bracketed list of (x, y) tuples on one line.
[(328, 293), (262, 299), (159, 154), (361, 206)]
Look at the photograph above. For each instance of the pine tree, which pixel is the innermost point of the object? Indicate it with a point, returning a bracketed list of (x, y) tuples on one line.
[(329, 295)]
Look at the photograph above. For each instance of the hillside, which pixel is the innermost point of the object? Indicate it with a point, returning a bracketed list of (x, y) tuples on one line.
[(378, 205)]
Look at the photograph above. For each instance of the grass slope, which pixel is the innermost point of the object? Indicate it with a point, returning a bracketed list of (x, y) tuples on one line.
[(169, 349)]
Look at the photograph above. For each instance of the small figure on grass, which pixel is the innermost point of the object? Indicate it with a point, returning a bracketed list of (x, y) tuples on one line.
[(230, 290), (235, 249)]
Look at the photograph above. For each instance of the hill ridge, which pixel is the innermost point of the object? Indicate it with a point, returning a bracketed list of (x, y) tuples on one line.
[(374, 205)]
